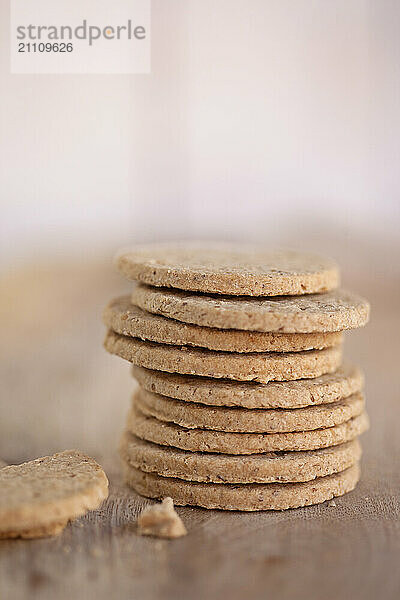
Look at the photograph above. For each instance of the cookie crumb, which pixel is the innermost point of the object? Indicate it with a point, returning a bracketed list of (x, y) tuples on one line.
[(332, 503), (161, 520)]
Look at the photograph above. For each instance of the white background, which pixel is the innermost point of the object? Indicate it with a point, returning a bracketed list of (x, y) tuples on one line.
[(262, 119)]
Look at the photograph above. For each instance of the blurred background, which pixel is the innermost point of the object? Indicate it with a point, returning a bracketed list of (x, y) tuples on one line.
[(262, 120)]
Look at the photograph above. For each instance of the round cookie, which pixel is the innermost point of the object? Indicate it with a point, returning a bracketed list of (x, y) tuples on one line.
[(204, 440), (333, 311), (39, 497), (199, 416), (344, 382), (127, 319), (229, 269), (259, 366), (225, 468), (247, 497)]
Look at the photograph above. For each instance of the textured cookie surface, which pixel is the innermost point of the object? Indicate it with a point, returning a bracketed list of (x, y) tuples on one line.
[(236, 270), (332, 311), (269, 496), (124, 317), (204, 440), (260, 366), (38, 497), (225, 468), (200, 416), (344, 382)]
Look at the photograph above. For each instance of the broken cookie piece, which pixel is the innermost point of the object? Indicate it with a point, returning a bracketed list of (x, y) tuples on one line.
[(161, 520), (39, 497)]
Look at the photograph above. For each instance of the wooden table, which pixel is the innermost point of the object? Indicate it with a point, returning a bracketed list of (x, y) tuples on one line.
[(60, 389)]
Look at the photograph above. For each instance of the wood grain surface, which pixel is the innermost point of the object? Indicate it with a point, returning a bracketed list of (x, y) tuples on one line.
[(59, 389)]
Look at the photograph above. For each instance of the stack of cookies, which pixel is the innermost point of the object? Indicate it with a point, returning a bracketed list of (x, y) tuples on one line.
[(243, 401)]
